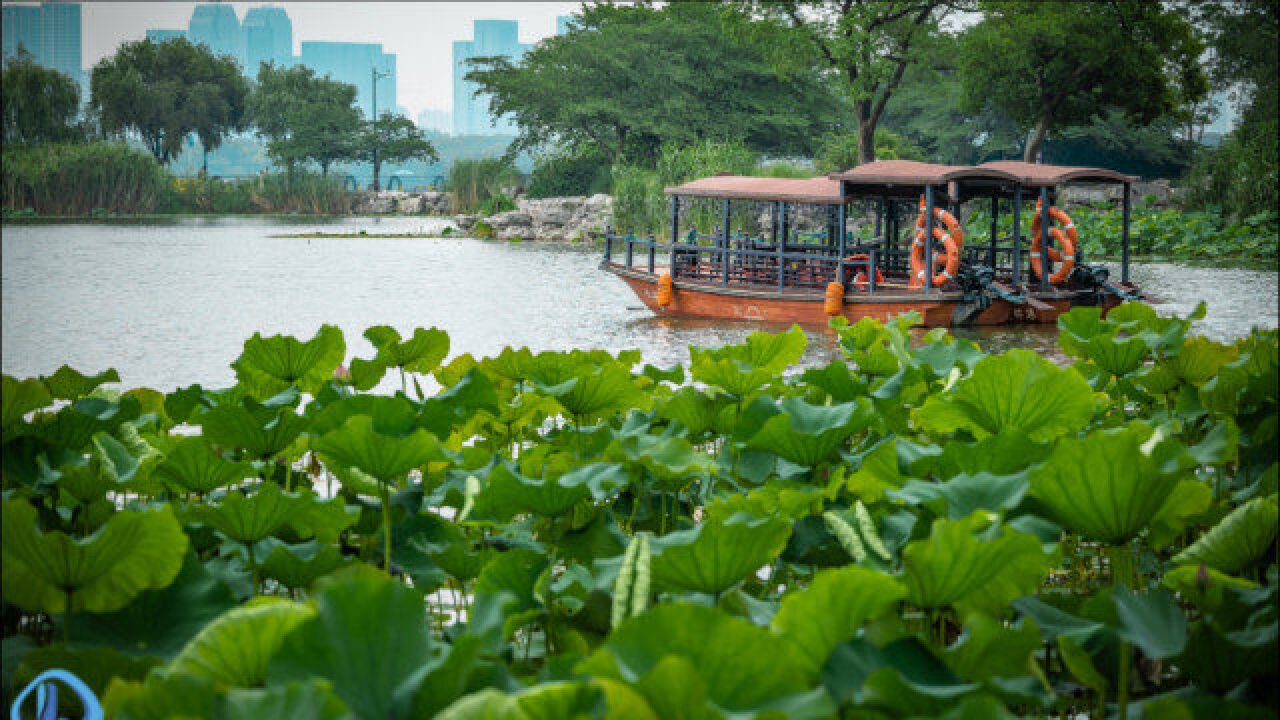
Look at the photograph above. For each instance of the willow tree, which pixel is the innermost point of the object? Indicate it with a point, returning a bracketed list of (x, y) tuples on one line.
[(1046, 64), (867, 45)]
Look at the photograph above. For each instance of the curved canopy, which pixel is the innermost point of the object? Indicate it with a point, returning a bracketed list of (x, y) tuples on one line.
[(910, 172), (1036, 175), (816, 191)]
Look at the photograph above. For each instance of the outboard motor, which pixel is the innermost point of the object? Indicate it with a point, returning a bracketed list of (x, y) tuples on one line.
[(975, 282), (1097, 279)]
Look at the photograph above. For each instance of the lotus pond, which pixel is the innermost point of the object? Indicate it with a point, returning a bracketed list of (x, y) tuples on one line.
[(928, 531)]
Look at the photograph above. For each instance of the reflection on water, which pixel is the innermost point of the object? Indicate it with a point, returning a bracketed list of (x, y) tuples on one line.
[(171, 302)]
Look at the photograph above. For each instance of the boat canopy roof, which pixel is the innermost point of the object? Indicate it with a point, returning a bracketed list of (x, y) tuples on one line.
[(1037, 175), (897, 177), (814, 191)]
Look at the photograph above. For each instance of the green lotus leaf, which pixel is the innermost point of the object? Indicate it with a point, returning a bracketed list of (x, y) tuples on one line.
[(547, 701), (746, 670), (1151, 620), (600, 392), (74, 425), (312, 700), (95, 666), (135, 550), (742, 369), (905, 679), (19, 397), (674, 689), (832, 610), (1086, 334), (694, 409), (837, 381), (1016, 391), (128, 461), (1200, 359), (507, 493), (1107, 485), (963, 495), (430, 538), (269, 365), (384, 453), (68, 384), (160, 622), (366, 374), (249, 518), (1080, 665), (1203, 586), (717, 554), (810, 434), (1204, 707), (193, 466), (163, 696), (368, 637), (1188, 500), (878, 471), (1238, 541), (261, 430), (971, 565), (421, 353), (990, 649), (516, 573), (299, 566), (234, 649)]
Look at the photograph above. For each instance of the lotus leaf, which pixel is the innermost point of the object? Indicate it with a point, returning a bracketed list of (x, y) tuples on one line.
[(1107, 485), (1086, 334), (235, 649), (1200, 359), (1238, 541), (193, 466), (989, 649), (163, 696), (272, 364), (20, 397), (832, 610), (745, 669), (717, 554), (384, 453), (515, 573), (963, 495), (421, 353), (743, 369), (135, 550), (549, 701), (1151, 621), (299, 566), (810, 434), (160, 622), (248, 518), (291, 701), (74, 425), (507, 493), (368, 638), (260, 429), (910, 681), (972, 566), (694, 409), (1018, 391)]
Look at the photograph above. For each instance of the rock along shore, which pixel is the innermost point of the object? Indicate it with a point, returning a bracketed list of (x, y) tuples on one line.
[(557, 219)]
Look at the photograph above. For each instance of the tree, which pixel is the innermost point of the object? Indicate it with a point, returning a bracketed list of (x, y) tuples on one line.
[(391, 139), (625, 80), (40, 104), (867, 45), (165, 92), (304, 117), (1066, 63)]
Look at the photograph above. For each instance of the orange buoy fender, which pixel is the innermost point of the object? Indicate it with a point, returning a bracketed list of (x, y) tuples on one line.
[(860, 279), (1067, 240), (665, 290), (834, 303), (950, 260)]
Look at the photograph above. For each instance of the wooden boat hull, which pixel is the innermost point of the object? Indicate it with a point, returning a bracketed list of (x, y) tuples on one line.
[(704, 300)]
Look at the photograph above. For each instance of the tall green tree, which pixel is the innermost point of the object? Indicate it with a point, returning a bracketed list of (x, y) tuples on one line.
[(391, 139), (39, 104), (1047, 64), (865, 45), (304, 117), (165, 92), (627, 79)]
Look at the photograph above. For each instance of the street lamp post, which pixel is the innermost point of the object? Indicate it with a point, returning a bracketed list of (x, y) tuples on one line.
[(375, 75)]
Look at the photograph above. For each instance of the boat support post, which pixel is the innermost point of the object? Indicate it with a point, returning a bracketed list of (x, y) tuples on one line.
[(675, 234), (995, 213), (839, 238), (928, 239), (1017, 236), (724, 243), (778, 214), (1044, 239), (1124, 235)]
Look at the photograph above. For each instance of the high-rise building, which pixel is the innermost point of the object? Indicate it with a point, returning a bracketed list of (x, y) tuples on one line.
[(352, 63), (50, 32), (159, 35), (268, 37), (471, 113), (216, 25), (440, 121)]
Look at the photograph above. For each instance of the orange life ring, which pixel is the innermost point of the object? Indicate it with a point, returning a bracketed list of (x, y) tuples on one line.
[(833, 303), (1067, 239), (950, 260), (953, 225), (860, 278)]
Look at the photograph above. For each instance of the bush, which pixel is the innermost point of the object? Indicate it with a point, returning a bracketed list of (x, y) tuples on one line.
[(638, 203), (495, 204), (472, 182), (784, 169), (297, 192), (839, 152), (569, 173), (1240, 176), (678, 164), (66, 179)]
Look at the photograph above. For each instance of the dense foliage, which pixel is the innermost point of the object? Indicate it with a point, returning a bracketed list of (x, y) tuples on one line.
[(482, 185), (77, 179), (565, 172), (39, 104), (904, 532), (393, 138)]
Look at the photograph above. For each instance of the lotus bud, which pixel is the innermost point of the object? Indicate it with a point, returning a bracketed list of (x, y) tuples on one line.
[(341, 373), (1202, 578)]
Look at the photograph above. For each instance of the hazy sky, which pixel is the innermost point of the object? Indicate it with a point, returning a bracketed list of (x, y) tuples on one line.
[(420, 34)]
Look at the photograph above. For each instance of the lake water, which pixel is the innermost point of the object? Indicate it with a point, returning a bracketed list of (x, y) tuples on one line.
[(171, 303)]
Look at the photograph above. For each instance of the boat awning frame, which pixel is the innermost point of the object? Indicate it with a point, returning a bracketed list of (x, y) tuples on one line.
[(808, 191)]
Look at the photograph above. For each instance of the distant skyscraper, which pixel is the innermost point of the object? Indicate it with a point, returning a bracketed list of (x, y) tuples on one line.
[(50, 32), (268, 37), (562, 23), (216, 25), (492, 38), (159, 35), (351, 63)]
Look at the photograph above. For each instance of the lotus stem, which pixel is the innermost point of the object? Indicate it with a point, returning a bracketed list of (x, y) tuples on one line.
[(386, 527), (1122, 575), (66, 620)]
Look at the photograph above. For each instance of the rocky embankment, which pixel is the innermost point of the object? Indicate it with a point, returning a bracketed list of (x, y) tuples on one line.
[(558, 219)]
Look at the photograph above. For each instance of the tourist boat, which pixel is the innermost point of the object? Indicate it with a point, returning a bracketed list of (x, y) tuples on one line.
[(879, 240)]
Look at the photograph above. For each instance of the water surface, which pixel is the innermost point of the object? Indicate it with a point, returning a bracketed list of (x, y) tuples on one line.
[(168, 303)]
